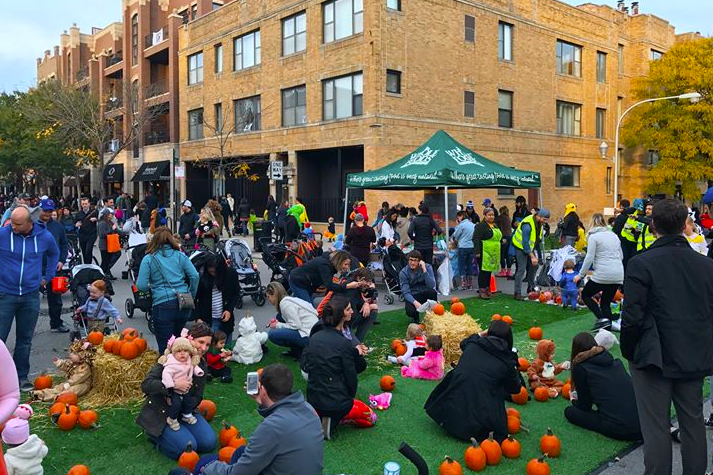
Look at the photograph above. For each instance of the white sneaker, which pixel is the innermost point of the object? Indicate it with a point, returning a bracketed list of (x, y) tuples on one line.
[(173, 424), (427, 306), (616, 325), (189, 419)]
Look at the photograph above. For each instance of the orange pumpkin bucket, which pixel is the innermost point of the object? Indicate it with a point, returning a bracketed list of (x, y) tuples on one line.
[(60, 285)]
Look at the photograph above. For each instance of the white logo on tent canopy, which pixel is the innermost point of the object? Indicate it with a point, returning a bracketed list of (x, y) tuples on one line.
[(423, 157), (463, 158)]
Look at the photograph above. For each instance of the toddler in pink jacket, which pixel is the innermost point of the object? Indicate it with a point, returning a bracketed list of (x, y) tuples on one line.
[(431, 365), (180, 362)]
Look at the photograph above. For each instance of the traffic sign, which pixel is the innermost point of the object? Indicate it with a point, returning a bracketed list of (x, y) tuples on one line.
[(179, 172), (276, 170)]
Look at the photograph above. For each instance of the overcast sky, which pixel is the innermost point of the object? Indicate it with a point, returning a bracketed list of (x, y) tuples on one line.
[(31, 27)]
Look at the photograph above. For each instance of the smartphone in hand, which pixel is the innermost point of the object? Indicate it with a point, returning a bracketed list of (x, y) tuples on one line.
[(252, 383)]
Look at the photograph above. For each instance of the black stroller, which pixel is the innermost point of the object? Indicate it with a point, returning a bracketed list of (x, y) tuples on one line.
[(280, 259), (82, 276), (141, 300), (393, 260), (238, 255)]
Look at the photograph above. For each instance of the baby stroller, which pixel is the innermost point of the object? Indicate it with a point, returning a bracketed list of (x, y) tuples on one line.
[(141, 300), (393, 260), (280, 259), (74, 253), (82, 276), (237, 254)]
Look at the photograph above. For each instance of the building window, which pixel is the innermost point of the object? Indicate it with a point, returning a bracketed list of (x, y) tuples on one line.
[(567, 175), (195, 68), (343, 97), (218, 49), (619, 105), (469, 103), (218, 111), (393, 81), (216, 6), (135, 39), (294, 106), (342, 18), (569, 59), (393, 4), (505, 109), (469, 29), (185, 15), (194, 12), (654, 55), (601, 123), (246, 51), (247, 114), (195, 124), (504, 41), (506, 191), (569, 118), (609, 180), (294, 34), (621, 59), (601, 67), (654, 157)]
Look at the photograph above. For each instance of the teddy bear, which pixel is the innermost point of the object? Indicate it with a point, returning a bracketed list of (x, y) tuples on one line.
[(542, 371), (78, 368)]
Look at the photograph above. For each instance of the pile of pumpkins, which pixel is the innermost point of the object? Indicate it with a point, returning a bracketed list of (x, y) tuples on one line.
[(457, 307), (229, 438), (545, 297), (478, 456), (130, 344), (66, 414)]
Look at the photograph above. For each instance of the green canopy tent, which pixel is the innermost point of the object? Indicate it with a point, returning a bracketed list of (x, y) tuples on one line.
[(441, 162)]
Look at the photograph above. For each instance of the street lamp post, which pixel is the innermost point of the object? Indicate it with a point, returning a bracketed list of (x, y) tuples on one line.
[(691, 96)]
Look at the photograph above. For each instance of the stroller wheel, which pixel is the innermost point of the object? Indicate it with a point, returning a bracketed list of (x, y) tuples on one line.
[(129, 308), (239, 303), (388, 299), (401, 298), (259, 299)]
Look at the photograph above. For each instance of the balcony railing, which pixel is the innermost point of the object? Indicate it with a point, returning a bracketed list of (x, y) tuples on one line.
[(82, 74), (115, 58), (156, 37), (113, 103), (156, 89), (157, 134)]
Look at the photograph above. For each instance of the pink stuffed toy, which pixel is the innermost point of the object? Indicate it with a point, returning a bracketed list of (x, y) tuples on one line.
[(380, 401), (430, 366), (361, 415)]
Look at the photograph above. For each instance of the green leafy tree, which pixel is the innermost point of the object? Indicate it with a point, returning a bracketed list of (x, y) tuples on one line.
[(681, 131)]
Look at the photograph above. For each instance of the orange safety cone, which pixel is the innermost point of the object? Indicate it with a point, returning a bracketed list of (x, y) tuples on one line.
[(493, 285)]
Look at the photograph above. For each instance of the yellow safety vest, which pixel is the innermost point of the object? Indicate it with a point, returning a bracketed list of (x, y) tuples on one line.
[(517, 237), (646, 239), (629, 229)]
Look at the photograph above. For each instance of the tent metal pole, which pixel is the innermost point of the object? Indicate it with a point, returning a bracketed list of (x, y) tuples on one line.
[(346, 207), (540, 192), (445, 231)]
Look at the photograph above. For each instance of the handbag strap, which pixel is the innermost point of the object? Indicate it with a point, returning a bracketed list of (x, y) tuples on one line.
[(158, 264)]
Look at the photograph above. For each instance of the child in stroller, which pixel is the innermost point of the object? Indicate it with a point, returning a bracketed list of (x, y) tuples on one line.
[(93, 310), (238, 255), (141, 300), (393, 260)]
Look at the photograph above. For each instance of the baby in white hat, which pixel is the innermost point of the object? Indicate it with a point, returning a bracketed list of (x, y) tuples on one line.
[(25, 452)]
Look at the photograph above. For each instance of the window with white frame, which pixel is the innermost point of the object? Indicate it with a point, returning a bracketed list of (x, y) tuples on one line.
[(343, 97), (218, 50), (294, 106), (393, 4), (654, 157), (567, 175), (246, 50), (569, 59), (569, 118), (342, 18), (247, 114), (655, 55), (195, 124), (218, 113), (505, 109), (505, 41), (469, 29), (469, 103), (294, 34), (195, 68), (393, 81)]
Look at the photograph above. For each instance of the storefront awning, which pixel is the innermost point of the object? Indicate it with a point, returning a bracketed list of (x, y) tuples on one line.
[(153, 171), (71, 181), (114, 173)]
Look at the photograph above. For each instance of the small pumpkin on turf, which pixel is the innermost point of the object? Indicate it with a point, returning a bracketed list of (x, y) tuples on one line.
[(455, 300), (511, 448), (450, 467), (496, 316), (566, 390), (237, 442), (508, 319), (521, 397), (493, 452), (458, 308), (522, 364), (88, 419), (189, 458), (550, 444), (542, 394), (535, 333), (395, 343), (43, 381), (400, 350), (95, 338), (226, 433), (387, 383), (538, 466), (56, 409), (514, 425), (67, 397), (207, 409), (439, 309), (74, 409), (79, 470), (512, 412), (66, 420), (475, 456), (225, 454)]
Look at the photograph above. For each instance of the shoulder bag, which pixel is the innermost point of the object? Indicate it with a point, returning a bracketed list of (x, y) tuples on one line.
[(185, 299)]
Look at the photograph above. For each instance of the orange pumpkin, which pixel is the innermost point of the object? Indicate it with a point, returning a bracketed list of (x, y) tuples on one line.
[(387, 383), (79, 470), (566, 390), (400, 350), (458, 308), (207, 409), (493, 452), (511, 448), (67, 397), (189, 458), (542, 394), (237, 442), (450, 467), (513, 425), (226, 453), (522, 364), (43, 381), (521, 397), (537, 466), (56, 409), (141, 343), (74, 409), (129, 350), (512, 412), (95, 338), (535, 333), (88, 419), (116, 348), (395, 343), (550, 444), (439, 309), (66, 420), (542, 297), (109, 345), (496, 316), (130, 334), (454, 300), (227, 433), (475, 457), (508, 319)]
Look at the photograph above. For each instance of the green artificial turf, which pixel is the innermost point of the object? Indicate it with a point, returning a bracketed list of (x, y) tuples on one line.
[(119, 447)]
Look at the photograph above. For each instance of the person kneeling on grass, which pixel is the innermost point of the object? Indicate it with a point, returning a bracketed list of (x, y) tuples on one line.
[(418, 284), (431, 365), (288, 441), (600, 379)]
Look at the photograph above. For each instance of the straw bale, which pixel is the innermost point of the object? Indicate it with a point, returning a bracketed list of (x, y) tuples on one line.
[(453, 329)]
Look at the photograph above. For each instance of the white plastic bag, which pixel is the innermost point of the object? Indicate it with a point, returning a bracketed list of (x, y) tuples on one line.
[(445, 277)]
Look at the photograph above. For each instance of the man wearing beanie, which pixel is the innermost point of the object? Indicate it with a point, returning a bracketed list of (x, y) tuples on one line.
[(527, 239), (25, 452)]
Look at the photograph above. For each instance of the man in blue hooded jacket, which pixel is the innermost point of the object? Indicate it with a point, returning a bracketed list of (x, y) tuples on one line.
[(23, 245), (54, 301)]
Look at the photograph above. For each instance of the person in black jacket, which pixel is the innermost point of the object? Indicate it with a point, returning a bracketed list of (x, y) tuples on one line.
[(360, 238), (470, 401), (667, 323), (291, 229), (600, 379), (243, 213), (87, 218), (421, 231), (152, 417), (217, 277), (570, 225), (318, 272), (54, 301), (332, 364), (280, 221), (187, 223)]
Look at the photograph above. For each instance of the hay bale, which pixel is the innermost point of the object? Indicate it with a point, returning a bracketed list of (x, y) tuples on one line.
[(453, 329), (116, 380)]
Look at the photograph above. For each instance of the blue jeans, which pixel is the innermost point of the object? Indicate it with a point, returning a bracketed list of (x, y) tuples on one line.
[(288, 338), (301, 292), (465, 261), (168, 320), (206, 459), (569, 298), (24, 309), (172, 443)]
